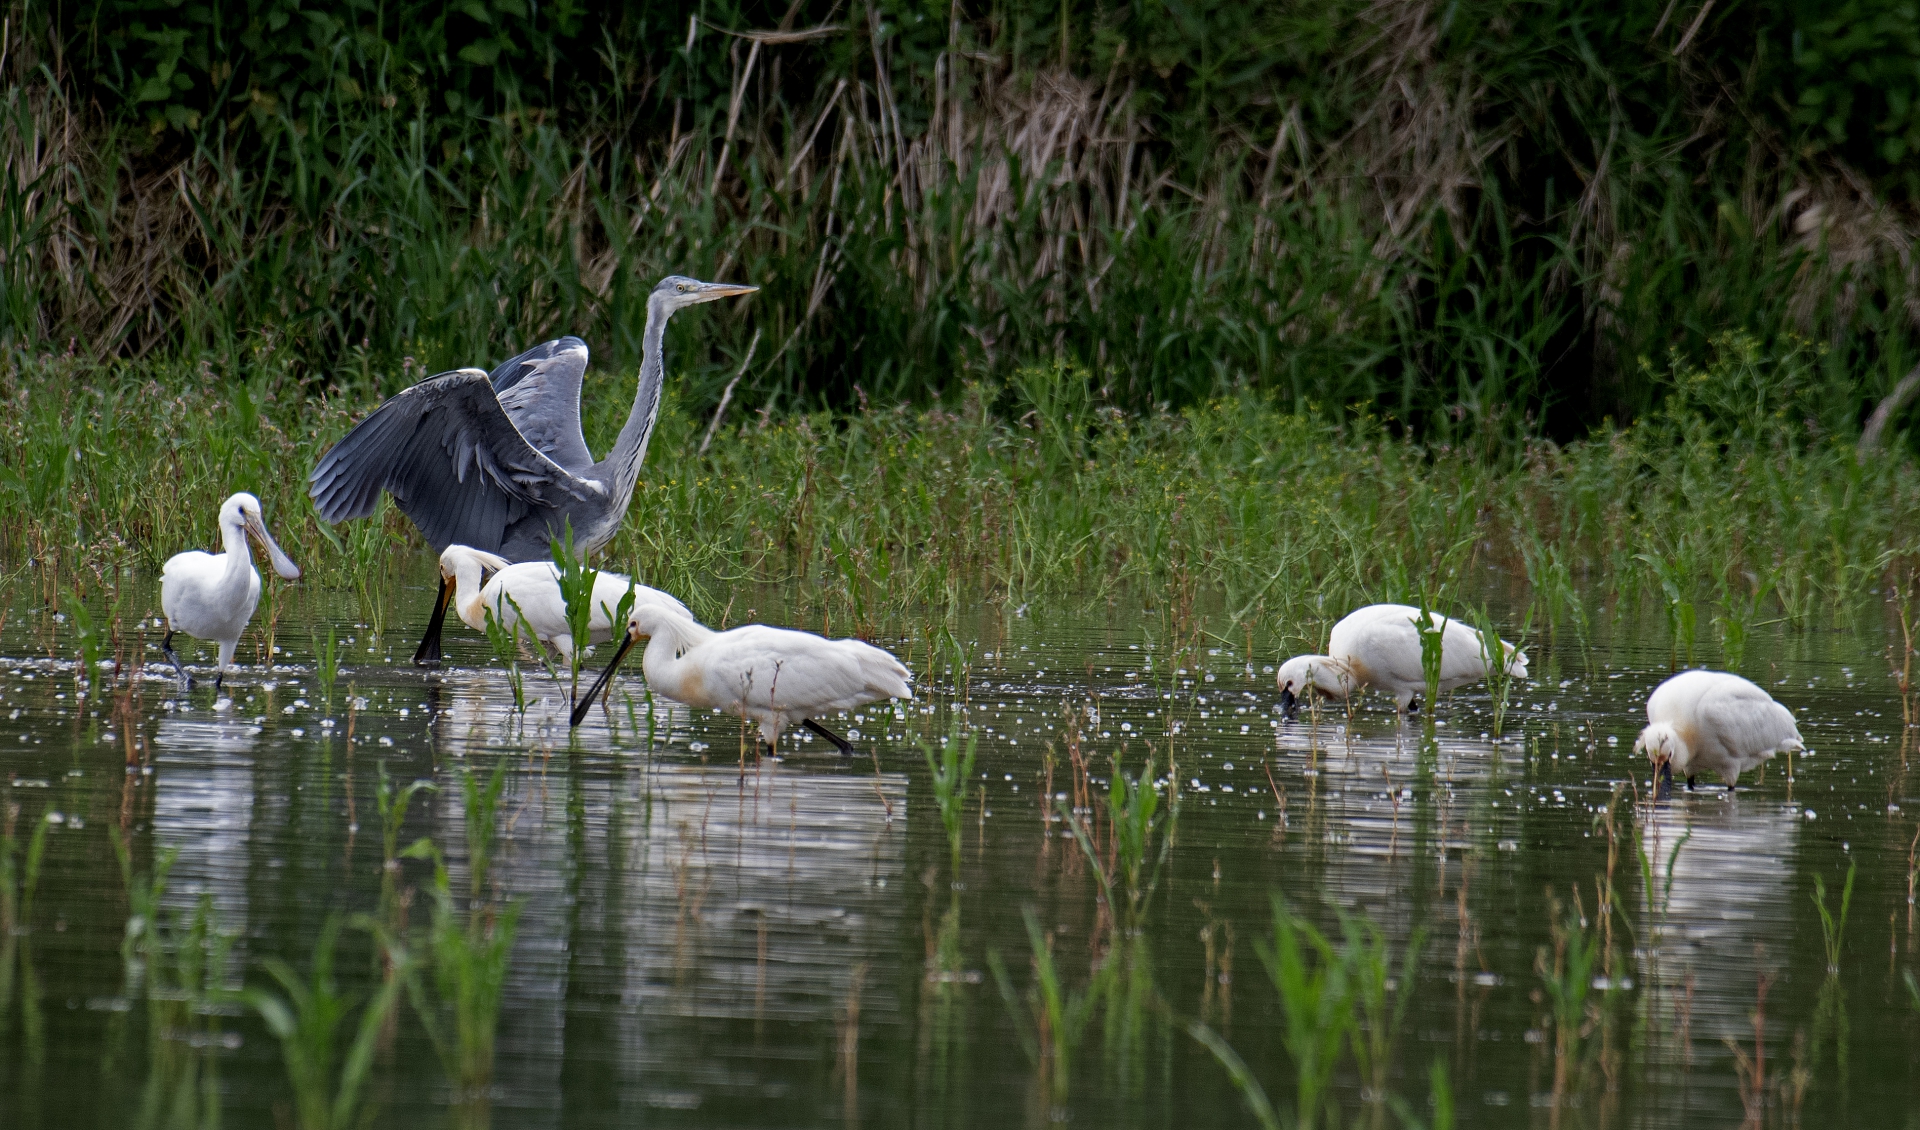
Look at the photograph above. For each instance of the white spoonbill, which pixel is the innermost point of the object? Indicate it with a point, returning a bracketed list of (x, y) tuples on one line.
[(775, 676), (211, 596), (1700, 720), (1379, 646), (529, 593)]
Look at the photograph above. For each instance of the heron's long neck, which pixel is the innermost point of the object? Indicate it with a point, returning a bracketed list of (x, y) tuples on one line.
[(631, 448)]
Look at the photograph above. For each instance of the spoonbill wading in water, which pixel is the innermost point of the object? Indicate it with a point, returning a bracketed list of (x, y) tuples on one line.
[(211, 596), (1379, 646), (774, 676), (1700, 720), (497, 461), (529, 593)]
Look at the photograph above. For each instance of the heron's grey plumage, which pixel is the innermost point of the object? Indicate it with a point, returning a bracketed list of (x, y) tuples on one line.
[(498, 461), (540, 389)]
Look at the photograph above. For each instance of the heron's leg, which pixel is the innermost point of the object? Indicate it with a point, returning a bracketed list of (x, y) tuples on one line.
[(844, 746), (173, 657), (1689, 783), (428, 653)]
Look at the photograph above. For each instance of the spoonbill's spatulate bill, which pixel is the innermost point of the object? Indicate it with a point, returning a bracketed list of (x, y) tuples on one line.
[(774, 676), (211, 596), (498, 462), (1378, 646), (1701, 720), (528, 594)]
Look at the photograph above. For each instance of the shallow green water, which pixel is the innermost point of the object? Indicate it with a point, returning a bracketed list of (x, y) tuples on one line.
[(711, 941)]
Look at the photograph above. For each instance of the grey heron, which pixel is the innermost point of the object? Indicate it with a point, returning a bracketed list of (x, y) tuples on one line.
[(497, 461)]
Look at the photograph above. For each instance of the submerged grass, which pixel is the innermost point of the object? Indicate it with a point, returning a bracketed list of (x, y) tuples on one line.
[(328, 1056), (470, 950), (1338, 997), (1017, 493)]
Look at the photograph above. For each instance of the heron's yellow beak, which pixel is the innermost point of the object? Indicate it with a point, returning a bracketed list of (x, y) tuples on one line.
[(712, 291)]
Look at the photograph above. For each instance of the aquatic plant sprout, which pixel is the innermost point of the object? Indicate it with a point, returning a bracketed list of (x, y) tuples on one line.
[(328, 1056)]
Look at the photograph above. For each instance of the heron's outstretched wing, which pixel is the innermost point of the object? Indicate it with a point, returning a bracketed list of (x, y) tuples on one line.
[(540, 390), (453, 461)]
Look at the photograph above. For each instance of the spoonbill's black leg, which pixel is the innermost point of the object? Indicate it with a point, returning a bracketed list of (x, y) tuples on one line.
[(173, 657), (1689, 783), (844, 746)]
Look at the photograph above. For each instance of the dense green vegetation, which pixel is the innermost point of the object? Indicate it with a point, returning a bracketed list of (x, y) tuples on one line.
[(1468, 217), (1723, 508)]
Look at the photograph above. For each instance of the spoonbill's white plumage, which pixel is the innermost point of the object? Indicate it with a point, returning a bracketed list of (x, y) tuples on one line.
[(1378, 646), (1701, 720), (774, 676), (529, 594), (211, 596)]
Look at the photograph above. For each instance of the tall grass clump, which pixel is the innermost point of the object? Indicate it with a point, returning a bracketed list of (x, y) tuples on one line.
[(1054, 1019), (1498, 655), (575, 578), (507, 645), (326, 667), (1833, 927), (1314, 982), (949, 768), (1567, 972), (19, 871), (328, 1055), (393, 801), (1141, 841), (1431, 627), (469, 951), (176, 963), (1339, 996), (88, 636)]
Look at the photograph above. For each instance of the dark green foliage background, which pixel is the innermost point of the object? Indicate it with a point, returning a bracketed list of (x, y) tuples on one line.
[(368, 180)]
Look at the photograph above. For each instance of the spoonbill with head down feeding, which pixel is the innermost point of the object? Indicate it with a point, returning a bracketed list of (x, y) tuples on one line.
[(1378, 646), (498, 461), (1700, 720), (211, 596), (774, 676), (529, 594)]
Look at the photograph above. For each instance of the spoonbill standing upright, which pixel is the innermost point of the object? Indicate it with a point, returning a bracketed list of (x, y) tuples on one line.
[(1379, 646), (774, 676), (211, 596), (529, 593), (1700, 720), (497, 461)]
